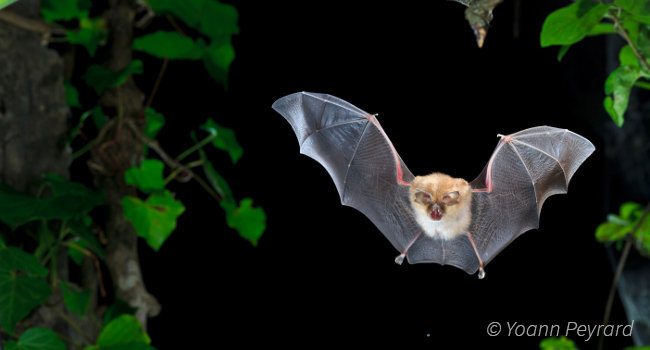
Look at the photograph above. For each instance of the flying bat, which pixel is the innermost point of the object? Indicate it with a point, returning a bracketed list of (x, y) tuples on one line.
[(435, 218)]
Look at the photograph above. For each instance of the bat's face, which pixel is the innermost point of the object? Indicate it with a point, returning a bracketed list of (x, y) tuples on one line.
[(441, 204), (435, 208)]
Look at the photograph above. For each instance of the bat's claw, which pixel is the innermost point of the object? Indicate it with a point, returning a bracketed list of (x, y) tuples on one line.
[(481, 273), (400, 259)]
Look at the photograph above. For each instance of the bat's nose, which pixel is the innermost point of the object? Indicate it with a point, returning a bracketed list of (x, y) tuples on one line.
[(436, 212)]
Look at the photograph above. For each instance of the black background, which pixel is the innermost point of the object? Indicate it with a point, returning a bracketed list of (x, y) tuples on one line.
[(322, 273)]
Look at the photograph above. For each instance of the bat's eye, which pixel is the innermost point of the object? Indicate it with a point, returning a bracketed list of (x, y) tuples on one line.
[(450, 198), (423, 197)]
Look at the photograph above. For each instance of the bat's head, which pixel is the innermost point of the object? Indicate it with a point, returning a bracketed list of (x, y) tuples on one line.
[(439, 196)]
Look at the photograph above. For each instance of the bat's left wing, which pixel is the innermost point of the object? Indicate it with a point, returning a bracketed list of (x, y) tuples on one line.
[(524, 170), (367, 171)]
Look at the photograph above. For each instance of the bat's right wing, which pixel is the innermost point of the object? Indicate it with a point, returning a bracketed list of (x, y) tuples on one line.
[(367, 171)]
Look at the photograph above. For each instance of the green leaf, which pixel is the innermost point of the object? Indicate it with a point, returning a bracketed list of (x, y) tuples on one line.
[(630, 211), (642, 84), (118, 308), (64, 10), (610, 232), (92, 33), (618, 86), (75, 299), (148, 177), (602, 28), (171, 45), (210, 17), (632, 28), (572, 23), (215, 20), (217, 181), (557, 343), (98, 118), (155, 218), (218, 20), (563, 50), (155, 122), (640, 9), (16, 259), (101, 78), (46, 240), (71, 95), (225, 139), (217, 59), (123, 333), (188, 11), (81, 226), (5, 3), (37, 338), (76, 250), (249, 221), (68, 199), (627, 57), (643, 40), (19, 294)]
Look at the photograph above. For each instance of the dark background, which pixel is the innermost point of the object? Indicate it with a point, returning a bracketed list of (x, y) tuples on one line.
[(322, 273)]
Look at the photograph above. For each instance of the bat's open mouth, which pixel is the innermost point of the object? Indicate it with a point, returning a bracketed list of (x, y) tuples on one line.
[(436, 213)]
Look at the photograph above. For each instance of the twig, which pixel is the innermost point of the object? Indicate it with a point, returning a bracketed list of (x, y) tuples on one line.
[(196, 147), (30, 23), (172, 21), (91, 255), (623, 33), (177, 171), (172, 163), (619, 270), (156, 84), (72, 323)]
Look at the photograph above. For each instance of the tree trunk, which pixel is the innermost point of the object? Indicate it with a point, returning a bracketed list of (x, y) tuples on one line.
[(119, 148), (33, 129), (33, 112)]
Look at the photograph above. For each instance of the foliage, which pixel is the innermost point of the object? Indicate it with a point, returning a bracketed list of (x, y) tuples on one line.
[(628, 18), (5, 3), (216, 22), (557, 343), (123, 332), (62, 216), (37, 338), (619, 226)]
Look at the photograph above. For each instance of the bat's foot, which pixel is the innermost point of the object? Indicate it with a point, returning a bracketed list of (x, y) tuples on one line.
[(400, 259), (481, 273)]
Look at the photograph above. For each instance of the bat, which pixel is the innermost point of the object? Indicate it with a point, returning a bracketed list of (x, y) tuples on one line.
[(435, 218), (479, 15)]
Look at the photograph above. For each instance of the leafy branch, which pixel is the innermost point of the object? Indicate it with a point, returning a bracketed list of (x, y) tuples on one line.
[(60, 219), (630, 19)]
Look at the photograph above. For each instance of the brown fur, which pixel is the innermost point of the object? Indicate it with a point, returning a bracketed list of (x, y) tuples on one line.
[(456, 212)]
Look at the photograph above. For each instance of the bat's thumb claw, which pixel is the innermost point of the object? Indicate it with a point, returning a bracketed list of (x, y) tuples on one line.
[(400, 259), (481, 273)]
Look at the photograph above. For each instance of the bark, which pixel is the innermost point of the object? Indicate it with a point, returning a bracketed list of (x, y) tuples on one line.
[(33, 113), (117, 149), (33, 120)]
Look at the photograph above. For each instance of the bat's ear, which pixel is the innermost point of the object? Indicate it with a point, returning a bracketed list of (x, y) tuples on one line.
[(423, 198), (451, 198)]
